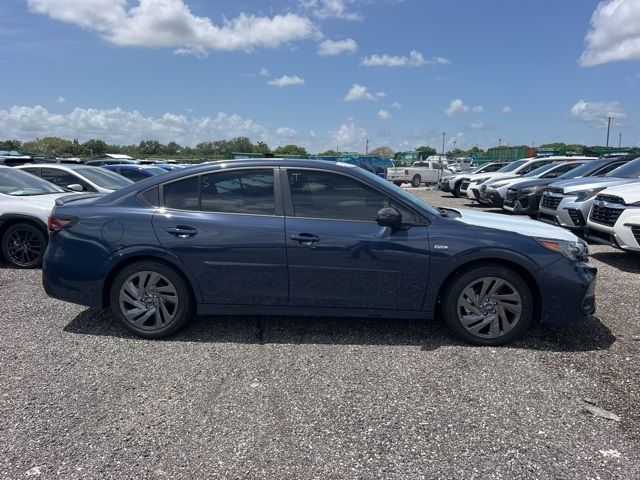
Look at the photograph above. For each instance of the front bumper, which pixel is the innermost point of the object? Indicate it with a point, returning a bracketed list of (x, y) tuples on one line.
[(569, 214), (567, 291), (491, 196), (524, 204), (624, 234)]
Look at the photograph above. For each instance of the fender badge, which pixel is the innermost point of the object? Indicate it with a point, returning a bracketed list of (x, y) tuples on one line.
[(440, 247)]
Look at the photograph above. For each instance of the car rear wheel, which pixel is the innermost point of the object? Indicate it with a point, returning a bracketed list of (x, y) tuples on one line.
[(151, 299), (456, 189), (488, 306), (416, 181), (23, 245)]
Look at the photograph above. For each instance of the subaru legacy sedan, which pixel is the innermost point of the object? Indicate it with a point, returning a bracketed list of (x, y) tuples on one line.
[(303, 237)]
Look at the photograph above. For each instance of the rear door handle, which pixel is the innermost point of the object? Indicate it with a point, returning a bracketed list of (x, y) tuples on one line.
[(305, 238), (182, 231)]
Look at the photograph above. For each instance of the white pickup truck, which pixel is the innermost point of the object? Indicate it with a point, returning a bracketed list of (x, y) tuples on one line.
[(425, 171)]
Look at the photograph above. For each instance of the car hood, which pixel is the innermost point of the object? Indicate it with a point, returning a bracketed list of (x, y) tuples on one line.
[(533, 182), (577, 184), (493, 176), (630, 193), (523, 226)]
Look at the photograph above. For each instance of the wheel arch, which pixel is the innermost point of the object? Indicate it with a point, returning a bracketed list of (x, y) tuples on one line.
[(146, 257), (520, 269), (9, 219)]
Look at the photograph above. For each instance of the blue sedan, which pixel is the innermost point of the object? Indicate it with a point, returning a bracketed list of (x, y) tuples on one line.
[(302, 237), (135, 173)]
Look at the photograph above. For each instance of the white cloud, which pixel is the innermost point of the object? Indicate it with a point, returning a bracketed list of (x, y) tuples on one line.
[(477, 125), (614, 34), (337, 47), (381, 94), (360, 92), (507, 109), (286, 132), (383, 115), (478, 109), (264, 72), (596, 113), (349, 136), (170, 23), (396, 105), (120, 126), (332, 9), (415, 59), (60, 99), (286, 81), (455, 107)]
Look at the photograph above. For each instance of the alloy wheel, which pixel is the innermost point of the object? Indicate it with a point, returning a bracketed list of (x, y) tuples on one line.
[(489, 307), (148, 300), (24, 247)]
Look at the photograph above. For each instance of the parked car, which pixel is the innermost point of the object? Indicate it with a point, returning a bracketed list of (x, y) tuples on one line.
[(25, 204), (470, 186), (493, 192), (110, 161), (425, 171), (304, 237), (524, 197), (451, 183), (614, 218), (567, 203), (135, 173), (78, 178), (169, 167)]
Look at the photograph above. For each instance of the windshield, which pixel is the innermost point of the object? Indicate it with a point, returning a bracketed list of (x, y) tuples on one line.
[(584, 170), (155, 170), (540, 170), (628, 170), (399, 191), (512, 166), (104, 178), (22, 184)]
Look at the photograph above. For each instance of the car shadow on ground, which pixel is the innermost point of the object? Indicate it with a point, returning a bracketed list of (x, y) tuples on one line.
[(625, 261), (428, 335)]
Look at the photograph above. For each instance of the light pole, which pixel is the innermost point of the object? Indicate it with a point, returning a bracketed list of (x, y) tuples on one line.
[(444, 135), (608, 128)]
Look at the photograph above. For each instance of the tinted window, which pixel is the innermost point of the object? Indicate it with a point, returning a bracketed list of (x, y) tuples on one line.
[(152, 196), (531, 167), (609, 168), (628, 170), (18, 183), (104, 178), (332, 196), (64, 179), (245, 191), (567, 167), (134, 175), (183, 194), (512, 166)]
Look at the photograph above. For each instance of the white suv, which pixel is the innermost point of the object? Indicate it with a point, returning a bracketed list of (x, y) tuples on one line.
[(25, 204), (614, 218)]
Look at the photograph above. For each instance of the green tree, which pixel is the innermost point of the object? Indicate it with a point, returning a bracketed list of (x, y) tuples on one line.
[(427, 150), (291, 150), (49, 146), (94, 147), (171, 148), (383, 151), (330, 153), (149, 147), (262, 147), (10, 145)]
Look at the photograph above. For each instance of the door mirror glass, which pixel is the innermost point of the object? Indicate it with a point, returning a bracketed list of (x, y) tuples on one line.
[(75, 187), (389, 217)]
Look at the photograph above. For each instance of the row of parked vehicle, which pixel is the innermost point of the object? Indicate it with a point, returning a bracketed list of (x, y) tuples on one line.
[(598, 197), (28, 194)]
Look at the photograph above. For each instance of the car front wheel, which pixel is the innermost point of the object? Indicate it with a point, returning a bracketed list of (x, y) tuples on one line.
[(151, 299), (456, 189), (488, 305), (23, 245)]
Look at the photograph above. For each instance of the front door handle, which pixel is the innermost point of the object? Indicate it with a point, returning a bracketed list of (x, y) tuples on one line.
[(182, 231), (305, 238)]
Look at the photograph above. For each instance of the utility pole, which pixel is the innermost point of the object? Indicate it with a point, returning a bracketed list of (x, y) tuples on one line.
[(620, 140), (444, 135), (366, 151), (454, 145), (608, 128), (499, 142)]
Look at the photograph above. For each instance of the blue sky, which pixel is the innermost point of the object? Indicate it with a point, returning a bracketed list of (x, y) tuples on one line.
[(174, 70)]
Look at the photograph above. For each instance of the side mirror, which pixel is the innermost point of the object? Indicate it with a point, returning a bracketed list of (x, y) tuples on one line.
[(389, 217), (75, 187)]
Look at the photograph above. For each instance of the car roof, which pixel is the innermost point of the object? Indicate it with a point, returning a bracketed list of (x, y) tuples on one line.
[(130, 166), (61, 166)]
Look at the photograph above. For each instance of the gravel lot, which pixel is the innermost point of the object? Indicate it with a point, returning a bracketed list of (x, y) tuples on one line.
[(317, 398)]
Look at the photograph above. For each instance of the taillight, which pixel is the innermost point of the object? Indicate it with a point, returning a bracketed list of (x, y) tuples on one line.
[(55, 224)]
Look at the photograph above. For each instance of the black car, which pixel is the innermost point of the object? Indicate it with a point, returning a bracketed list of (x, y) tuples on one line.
[(524, 197)]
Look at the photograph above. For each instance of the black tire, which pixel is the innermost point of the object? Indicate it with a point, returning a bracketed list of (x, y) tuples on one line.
[(182, 313), (456, 189), (23, 245), (416, 181), (398, 183), (454, 292)]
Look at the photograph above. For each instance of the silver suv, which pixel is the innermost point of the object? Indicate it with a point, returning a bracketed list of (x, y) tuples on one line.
[(567, 203)]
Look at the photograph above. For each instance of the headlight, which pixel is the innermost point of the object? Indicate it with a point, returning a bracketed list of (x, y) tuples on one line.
[(500, 184), (586, 194), (571, 250), (482, 180)]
